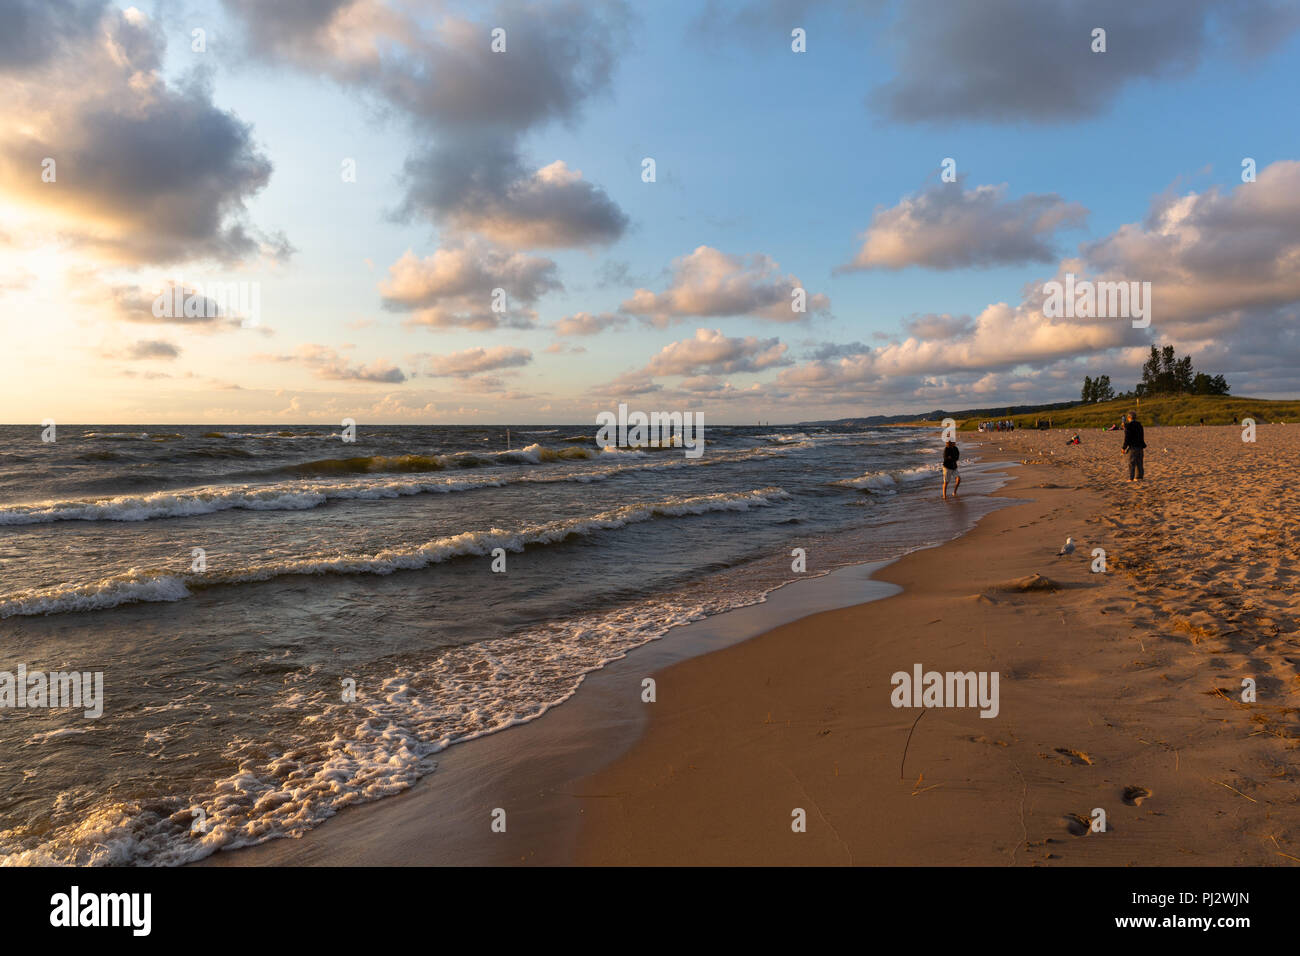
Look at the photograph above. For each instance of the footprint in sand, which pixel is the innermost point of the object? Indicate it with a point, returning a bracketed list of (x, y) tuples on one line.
[(1134, 796), (1077, 758), (1077, 824)]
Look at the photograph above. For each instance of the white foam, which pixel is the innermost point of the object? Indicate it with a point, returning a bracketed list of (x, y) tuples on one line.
[(886, 481)]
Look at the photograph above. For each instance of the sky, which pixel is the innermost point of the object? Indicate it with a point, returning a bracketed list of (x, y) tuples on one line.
[(518, 212)]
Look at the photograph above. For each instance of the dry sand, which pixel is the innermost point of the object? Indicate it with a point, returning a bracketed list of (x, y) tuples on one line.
[(1119, 690)]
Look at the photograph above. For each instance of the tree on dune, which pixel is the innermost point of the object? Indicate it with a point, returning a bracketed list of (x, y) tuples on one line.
[(1097, 389), (1164, 373)]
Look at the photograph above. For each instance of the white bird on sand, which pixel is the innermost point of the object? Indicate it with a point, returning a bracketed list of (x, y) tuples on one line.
[(1069, 547)]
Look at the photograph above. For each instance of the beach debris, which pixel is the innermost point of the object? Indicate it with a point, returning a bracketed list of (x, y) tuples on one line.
[(1068, 548), (1233, 789), (918, 789), (1034, 582), (908, 743)]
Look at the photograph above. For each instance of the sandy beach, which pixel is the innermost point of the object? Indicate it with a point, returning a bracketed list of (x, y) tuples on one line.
[(1119, 690)]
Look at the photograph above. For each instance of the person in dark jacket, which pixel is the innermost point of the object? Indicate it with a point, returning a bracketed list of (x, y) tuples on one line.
[(950, 455), (1134, 442)]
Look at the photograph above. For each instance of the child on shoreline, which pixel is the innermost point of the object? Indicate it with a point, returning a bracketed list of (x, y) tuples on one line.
[(950, 455)]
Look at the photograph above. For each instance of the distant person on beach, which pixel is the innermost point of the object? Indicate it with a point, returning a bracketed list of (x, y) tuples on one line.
[(1134, 443), (950, 455)]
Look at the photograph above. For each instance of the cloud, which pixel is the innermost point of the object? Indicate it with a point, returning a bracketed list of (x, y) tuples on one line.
[(1215, 256), (16, 281), (1224, 288), (32, 32), (830, 350), (326, 363), (584, 323), (131, 303), (709, 283), (477, 360), (152, 349), (144, 172), (1014, 60), (309, 31), (708, 388), (636, 382), (712, 352), (455, 287), (551, 207), (470, 106), (1001, 337), (945, 326), (948, 227)]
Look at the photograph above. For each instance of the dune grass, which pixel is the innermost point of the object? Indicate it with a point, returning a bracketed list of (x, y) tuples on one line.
[(1162, 410)]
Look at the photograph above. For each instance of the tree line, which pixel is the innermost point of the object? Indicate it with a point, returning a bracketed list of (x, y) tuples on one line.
[(1163, 373)]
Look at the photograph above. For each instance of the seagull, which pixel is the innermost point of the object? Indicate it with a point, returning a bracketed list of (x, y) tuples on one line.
[(1069, 547)]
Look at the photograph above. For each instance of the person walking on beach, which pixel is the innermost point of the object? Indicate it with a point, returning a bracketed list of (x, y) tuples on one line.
[(950, 455), (1134, 442)]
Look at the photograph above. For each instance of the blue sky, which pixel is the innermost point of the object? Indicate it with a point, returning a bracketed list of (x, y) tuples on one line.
[(760, 151)]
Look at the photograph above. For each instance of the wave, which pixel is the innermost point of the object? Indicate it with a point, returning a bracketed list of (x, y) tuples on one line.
[(269, 435), (304, 496), (367, 464), (886, 481), (138, 585), (133, 436), (209, 500), (370, 464)]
